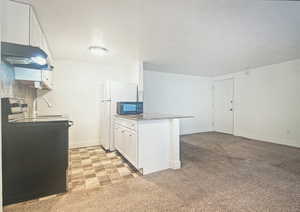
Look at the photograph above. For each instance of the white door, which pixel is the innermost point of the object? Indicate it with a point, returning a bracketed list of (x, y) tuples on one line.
[(223, 106)]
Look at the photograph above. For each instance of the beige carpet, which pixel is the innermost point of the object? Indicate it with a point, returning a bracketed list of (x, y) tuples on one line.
[(219, 173), (133, 195)]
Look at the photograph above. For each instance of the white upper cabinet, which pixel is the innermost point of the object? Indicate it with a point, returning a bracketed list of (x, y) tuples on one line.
[(17, 23), (22, 26), (36, 35)]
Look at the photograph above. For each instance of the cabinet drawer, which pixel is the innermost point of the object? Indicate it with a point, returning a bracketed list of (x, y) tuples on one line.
[(130, 124)]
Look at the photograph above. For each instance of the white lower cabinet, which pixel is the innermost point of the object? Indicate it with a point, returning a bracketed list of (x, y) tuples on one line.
[(149, 145), (131, 146), (126, 142)]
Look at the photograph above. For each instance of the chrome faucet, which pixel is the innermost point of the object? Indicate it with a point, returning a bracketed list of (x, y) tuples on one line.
[(35, 112), (47, 102)]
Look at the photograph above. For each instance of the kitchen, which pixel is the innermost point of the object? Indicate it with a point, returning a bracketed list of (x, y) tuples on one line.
[(146, 131), (113, 109)]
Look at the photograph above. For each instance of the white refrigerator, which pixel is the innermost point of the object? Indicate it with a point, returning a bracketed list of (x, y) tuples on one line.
[(111, 93)]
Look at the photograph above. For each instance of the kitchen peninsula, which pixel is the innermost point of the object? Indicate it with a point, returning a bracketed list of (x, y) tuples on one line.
[(150, 142)]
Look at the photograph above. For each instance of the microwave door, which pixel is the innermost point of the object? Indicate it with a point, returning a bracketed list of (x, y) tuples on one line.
[(127, 108)]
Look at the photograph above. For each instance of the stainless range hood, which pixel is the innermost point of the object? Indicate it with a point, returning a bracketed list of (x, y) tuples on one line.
[(25, 56)]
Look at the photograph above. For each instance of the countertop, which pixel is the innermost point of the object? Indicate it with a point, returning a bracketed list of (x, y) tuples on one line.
[(152, 116), (40, 119)]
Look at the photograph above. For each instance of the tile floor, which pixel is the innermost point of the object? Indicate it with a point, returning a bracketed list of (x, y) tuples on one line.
[(91, 168)]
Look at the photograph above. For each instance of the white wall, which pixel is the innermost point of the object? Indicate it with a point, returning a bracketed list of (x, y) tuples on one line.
[(76, 93), (267, 103), (266, 99), (180, 94)]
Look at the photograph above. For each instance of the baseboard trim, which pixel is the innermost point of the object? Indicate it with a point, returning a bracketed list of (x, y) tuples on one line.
[(175, 164), (84, 143), (283, 142), (195, 132)]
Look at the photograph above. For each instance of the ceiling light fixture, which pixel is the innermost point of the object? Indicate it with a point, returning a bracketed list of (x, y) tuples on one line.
[(98, 50)]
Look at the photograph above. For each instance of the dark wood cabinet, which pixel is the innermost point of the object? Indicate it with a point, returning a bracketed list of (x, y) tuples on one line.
[(34, 160)]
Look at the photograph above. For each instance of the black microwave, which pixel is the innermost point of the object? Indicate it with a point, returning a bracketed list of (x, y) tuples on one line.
[(129, 108)]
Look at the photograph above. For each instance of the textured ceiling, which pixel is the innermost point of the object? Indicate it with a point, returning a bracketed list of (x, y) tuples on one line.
[(198, 37)]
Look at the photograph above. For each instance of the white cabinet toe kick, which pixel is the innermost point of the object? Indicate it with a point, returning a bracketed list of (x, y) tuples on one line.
[(150, 145)]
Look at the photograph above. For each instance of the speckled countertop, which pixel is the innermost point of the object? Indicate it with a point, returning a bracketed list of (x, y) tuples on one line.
[(40, 119), (152, 116)]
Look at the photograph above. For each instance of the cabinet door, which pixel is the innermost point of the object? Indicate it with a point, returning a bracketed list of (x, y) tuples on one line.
[(131, 143), (16, 29), (122, 141), (117, 137), (125, 144), (35, 30)]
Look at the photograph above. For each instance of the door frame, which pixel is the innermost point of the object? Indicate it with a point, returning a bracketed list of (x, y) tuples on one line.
[(233, 103)]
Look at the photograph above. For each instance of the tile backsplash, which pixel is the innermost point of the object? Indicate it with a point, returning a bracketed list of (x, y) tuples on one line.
[(11, 88)]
